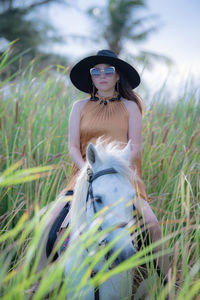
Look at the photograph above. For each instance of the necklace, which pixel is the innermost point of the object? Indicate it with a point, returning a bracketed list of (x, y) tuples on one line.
[(104, 100)]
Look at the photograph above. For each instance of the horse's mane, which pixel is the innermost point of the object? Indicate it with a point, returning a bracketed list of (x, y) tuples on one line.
[(110, 154)]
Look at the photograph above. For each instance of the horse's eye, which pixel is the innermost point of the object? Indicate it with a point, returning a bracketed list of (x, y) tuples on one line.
[(98, 200)]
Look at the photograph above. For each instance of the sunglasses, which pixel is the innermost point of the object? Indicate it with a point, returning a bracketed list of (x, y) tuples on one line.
[(96, 72)]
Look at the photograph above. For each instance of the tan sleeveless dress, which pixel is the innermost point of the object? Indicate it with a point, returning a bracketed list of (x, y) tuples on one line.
[(111, 122)]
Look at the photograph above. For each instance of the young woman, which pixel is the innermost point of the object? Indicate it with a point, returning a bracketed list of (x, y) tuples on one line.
[(114, 112)]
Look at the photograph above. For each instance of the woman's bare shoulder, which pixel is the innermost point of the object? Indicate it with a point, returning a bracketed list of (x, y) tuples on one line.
[(79, 104), (130, 105)]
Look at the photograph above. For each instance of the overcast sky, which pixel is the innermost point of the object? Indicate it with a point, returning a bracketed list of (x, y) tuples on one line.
[(177, 38)]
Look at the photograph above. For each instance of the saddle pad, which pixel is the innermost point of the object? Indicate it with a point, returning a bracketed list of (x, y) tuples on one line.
[(63, 226)]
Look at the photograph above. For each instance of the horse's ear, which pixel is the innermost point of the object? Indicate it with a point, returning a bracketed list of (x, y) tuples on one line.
[(91, 154), (126, 152)]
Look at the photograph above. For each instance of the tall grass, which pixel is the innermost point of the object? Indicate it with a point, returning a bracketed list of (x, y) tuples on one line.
[(34, 129), (34, 136)]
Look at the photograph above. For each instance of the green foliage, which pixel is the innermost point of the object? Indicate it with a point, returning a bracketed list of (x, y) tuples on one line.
[(22, 24), (34, 127), (34, 137)]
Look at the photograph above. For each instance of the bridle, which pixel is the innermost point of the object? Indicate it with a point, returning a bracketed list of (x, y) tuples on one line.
[(91, 177)]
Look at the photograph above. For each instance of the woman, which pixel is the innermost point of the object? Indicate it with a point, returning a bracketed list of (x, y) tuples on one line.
[(113, 111)]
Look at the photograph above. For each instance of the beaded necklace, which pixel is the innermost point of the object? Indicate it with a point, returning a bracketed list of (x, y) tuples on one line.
[(104, 100)]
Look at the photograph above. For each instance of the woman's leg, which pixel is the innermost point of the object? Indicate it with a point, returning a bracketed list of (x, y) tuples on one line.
[(151, 221)]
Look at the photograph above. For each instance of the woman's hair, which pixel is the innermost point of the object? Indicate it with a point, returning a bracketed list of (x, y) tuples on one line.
[(126, 92), (124, 89)]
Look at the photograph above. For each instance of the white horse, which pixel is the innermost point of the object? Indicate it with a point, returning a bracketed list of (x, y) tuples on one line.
[(107, 192)]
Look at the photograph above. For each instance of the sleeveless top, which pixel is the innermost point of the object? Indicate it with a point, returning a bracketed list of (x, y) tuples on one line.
[(108, 119)]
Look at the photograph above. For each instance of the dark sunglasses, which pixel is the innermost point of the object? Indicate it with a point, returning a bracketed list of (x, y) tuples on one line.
[(96, 72)]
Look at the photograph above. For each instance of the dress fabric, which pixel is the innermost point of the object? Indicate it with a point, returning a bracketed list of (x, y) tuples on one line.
[(107, 119)]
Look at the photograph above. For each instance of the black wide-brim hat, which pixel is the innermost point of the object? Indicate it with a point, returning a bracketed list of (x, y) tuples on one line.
[(80, 73)]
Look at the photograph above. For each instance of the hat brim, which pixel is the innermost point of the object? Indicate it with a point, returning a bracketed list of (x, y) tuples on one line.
[(80, 73)]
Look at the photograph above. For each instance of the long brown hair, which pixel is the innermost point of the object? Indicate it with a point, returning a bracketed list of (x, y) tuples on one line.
[(126, 92)]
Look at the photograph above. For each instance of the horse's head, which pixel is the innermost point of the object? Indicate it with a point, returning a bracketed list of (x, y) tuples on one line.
[(103, 205), (109, 187)]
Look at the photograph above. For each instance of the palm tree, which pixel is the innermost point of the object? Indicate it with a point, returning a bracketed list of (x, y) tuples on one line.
[(118, 23), (19, 22)]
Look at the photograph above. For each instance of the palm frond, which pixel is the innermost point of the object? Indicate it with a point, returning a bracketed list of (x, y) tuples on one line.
[(143, 35)]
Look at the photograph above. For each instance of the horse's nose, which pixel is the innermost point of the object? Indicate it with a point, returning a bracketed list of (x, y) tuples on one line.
[(125, 254)]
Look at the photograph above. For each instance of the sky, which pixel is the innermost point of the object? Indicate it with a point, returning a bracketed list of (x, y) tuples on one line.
[(177, 38)]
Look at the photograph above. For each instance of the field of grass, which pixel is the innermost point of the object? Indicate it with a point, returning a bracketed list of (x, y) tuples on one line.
[(35, 166)]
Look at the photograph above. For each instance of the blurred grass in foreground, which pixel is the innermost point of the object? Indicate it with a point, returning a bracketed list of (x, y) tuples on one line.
[(33, 146)]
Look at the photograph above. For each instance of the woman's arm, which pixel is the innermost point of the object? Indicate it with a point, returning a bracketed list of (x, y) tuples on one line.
[(74, 134), (134, 129)]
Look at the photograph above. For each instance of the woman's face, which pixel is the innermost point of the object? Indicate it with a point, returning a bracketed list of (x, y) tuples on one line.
[(107, 79)]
